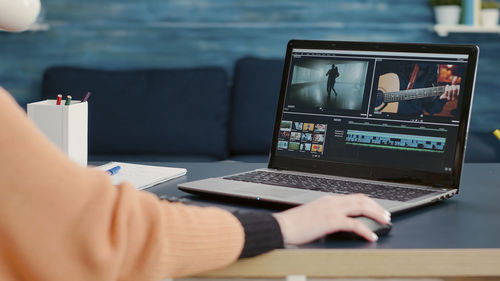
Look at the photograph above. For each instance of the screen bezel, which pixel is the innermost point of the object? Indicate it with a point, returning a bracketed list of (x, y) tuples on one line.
[(432, 179)]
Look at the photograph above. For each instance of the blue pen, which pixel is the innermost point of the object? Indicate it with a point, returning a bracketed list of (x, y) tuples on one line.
[(113, 170)]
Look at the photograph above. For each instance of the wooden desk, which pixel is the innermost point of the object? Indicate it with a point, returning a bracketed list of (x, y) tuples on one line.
[(356, 263), (458, 238)]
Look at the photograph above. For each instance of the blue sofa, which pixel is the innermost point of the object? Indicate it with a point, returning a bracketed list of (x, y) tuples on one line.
[(196, 114)]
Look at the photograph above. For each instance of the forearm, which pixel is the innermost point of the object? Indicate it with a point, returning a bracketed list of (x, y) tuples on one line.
[(60, 221)]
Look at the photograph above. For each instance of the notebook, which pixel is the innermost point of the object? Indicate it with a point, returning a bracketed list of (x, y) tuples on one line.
[(389, 120), (142, 176)]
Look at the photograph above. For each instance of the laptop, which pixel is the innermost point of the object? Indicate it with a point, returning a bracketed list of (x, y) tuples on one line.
[(389, 120)]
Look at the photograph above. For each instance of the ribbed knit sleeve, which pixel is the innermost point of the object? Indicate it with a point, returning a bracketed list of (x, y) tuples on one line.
[(262, 233), (60, 221)]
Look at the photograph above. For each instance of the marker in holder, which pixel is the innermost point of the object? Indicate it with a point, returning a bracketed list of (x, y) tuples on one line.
[(64, 125)]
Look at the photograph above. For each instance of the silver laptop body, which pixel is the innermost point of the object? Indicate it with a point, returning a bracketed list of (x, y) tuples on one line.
[(365, 117)]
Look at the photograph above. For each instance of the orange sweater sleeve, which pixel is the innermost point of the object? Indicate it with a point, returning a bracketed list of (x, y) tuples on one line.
[(60, 221)]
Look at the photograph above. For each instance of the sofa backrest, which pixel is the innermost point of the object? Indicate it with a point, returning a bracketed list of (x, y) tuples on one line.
[(155, 111), (190, 113), (255, 93)]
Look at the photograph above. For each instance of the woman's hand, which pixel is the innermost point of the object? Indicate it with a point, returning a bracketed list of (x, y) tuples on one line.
[(330, 214)]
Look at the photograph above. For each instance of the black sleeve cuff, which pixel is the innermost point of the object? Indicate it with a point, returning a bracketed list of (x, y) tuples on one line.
[(262, 233)]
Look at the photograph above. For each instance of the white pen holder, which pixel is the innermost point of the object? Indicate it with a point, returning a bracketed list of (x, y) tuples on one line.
[(64, 125)]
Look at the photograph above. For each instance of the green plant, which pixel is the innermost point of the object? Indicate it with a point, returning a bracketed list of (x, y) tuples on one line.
[(445, 2), (490, 5)]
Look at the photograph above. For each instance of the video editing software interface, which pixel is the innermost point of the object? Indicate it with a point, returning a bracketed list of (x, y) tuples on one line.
[(389, 109)]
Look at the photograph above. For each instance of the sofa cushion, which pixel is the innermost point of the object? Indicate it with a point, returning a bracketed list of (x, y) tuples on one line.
[(155, 111), (256, 91), (482, 147), (250, 158)]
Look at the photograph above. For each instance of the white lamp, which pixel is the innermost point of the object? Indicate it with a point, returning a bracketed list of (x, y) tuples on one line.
[(18, 15)]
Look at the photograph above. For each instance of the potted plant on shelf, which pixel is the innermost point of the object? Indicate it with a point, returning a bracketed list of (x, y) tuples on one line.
[(489, 13), (446, 11)]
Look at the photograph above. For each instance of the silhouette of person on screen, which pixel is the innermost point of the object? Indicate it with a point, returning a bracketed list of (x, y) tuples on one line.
[(332, 74)]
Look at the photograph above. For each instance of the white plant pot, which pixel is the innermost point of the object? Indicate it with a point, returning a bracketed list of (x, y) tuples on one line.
[(447, 14), (489, 17)]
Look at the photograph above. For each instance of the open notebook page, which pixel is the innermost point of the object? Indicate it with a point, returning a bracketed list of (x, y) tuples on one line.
[(142, 176)]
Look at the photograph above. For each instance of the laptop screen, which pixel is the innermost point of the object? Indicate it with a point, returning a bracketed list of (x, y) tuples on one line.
[(389, 109)]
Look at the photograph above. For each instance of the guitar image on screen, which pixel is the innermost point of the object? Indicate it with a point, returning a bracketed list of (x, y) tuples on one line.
[(389, 95)]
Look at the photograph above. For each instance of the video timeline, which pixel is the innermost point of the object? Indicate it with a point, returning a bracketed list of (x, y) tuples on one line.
[(396, 141)]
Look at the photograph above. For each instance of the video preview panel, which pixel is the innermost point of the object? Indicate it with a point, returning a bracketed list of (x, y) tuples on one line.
[(327, 85), (417, 89)]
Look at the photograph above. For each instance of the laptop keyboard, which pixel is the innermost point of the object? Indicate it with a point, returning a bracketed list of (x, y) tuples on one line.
[(379, 191)]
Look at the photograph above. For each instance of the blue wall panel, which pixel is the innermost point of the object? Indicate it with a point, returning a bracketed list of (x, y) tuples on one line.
[(116, 34)]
